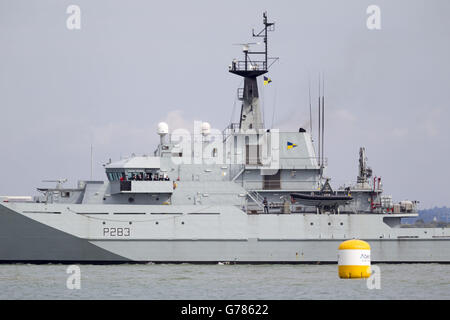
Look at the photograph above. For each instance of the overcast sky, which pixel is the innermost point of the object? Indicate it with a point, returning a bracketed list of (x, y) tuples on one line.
[(136, 63)]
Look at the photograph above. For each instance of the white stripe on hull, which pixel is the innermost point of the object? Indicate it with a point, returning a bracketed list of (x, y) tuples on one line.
[(273, 251)]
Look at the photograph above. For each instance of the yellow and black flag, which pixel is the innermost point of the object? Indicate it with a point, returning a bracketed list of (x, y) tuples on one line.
[(267, 80)]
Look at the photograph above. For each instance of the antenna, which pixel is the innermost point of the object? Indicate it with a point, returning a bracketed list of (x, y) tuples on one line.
[(319, 140), (310, 111), (258, 67), (323, 119), (91, 161)]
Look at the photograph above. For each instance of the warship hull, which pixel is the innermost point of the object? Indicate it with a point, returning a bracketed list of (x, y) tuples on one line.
[(39, 233)]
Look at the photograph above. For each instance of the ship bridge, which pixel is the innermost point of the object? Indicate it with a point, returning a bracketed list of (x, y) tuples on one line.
[(138, 175)]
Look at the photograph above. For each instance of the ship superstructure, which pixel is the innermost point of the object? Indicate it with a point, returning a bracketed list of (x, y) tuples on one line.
[(246, 194)]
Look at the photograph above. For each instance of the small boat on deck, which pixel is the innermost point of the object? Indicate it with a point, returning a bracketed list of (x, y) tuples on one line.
[(321, 200)]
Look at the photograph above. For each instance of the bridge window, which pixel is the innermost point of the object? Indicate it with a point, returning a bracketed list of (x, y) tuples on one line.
[(113, 176)]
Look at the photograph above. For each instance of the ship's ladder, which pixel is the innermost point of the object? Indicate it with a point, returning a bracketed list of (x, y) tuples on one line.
[(256, 197)]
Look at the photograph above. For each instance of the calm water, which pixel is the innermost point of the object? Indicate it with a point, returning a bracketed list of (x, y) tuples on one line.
[(187, 281)]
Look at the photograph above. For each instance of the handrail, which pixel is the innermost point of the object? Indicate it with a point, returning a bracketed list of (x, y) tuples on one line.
[(248, 66), (239, 173), (256, 198)]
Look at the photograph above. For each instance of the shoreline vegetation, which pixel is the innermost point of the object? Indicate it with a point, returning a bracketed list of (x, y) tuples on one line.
[(429, 218)]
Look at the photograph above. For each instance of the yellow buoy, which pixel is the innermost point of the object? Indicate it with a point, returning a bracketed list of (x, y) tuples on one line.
[(354, 259)]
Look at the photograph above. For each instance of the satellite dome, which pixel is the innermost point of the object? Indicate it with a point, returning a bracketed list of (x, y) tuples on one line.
[(163, 128), (206, 128)]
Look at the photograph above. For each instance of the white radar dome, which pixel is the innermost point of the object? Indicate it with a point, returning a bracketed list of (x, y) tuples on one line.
[(163, 128), (206, 128)]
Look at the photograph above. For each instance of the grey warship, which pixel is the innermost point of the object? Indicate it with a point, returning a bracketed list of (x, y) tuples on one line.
[(245, 194)]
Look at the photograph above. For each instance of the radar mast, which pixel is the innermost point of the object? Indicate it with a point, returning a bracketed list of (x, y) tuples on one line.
[(250, 70)]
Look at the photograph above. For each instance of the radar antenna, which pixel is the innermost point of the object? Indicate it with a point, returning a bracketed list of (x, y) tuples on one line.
[(59, 182)]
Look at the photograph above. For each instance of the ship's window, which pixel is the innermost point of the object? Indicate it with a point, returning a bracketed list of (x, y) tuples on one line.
[(65, 194), (311, 223), (329, 223), (113, 176), (342, 223)]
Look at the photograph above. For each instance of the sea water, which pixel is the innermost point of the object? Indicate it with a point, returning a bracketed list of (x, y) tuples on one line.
[(222, 282)]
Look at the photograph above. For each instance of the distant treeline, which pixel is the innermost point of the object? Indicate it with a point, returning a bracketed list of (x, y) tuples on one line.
[(434, 217)]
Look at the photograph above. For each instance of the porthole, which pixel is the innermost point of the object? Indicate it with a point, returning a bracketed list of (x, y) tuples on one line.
[(311, 223), (329, 223), (156, 222), (342, 223), (130, 199)]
